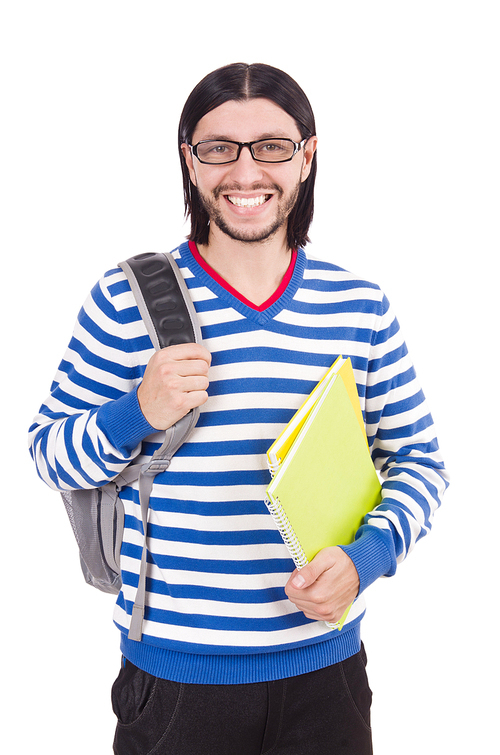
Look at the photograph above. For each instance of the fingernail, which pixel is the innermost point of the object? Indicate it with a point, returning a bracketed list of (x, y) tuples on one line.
[(298, 581)]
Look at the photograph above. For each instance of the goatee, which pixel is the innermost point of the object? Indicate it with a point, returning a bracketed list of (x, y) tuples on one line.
[(250, 235)]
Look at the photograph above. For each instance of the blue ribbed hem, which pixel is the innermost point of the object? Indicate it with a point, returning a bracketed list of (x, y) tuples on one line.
[(189, 668), (124, 423)]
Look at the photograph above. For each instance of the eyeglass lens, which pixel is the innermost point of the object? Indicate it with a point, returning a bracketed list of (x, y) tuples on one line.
[(266, 150)]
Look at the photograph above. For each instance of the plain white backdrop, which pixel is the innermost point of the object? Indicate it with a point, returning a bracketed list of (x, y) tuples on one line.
[(406, 97)]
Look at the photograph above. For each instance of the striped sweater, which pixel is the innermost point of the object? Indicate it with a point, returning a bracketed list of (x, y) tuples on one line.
[(216, 607)]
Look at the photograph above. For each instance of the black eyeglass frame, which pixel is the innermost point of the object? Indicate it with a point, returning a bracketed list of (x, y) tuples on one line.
[(296, 147)]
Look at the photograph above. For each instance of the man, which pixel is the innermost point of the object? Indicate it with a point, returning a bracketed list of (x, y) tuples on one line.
[(235, 654)]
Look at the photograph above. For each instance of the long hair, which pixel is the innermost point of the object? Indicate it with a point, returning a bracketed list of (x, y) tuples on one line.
[(241, 82)]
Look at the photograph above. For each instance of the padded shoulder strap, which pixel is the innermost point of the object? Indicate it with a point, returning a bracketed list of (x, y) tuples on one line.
[(163, 299)]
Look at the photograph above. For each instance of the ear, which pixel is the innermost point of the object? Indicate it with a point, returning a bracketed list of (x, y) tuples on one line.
[(309, 150), (188, 157)]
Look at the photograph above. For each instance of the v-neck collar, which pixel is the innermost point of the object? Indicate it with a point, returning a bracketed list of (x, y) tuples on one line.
[(278, 301)]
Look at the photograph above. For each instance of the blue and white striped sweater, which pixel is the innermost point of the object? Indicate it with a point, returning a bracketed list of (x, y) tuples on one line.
[(216, 608)]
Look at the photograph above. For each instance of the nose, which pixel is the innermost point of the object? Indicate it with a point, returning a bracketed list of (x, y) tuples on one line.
[(246, 170)]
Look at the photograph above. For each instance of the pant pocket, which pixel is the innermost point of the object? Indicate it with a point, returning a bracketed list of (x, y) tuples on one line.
[(145, 707), (131, 693)]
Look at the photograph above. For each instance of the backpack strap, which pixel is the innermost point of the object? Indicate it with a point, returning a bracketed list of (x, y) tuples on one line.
[(169, 315)]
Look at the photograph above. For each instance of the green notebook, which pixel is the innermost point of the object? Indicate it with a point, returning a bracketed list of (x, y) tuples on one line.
[(327, 482)]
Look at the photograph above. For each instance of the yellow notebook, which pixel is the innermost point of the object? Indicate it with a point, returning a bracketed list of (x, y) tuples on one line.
[(326, 482), (277, 452)]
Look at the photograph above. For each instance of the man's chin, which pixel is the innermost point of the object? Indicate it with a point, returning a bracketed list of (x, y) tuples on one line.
[(248, 236)]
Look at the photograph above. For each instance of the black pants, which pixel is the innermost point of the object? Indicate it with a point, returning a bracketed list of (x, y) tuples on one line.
[(326, 711)]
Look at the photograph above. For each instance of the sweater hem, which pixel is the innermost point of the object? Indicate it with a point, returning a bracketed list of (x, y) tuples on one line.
[(192, 668)]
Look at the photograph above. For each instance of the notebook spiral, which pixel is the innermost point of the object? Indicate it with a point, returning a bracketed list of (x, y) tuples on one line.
[(274, 468), (287, 533)]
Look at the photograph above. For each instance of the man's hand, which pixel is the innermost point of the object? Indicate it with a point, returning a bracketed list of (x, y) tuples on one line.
[(326, 587), (175, 381)]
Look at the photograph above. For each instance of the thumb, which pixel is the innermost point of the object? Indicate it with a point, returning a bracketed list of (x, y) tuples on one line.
[(310, 573), (299, 580)]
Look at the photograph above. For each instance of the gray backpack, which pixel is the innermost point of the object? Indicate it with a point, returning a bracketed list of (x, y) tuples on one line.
[(97, 515)]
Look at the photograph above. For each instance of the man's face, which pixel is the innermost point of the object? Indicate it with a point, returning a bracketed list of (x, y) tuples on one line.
[(249, 200)]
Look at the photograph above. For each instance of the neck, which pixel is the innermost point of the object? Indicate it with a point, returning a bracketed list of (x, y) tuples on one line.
[(254, 269)]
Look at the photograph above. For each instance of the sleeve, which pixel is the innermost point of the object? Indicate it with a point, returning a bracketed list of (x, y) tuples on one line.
[(91, 426), (406, 453)]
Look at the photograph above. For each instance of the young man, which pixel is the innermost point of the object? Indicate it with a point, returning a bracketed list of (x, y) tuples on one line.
[(235, 654)]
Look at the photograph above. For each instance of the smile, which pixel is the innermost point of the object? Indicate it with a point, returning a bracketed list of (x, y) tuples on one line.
[(248, 201)]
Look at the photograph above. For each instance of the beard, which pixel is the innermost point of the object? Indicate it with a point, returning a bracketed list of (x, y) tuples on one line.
[(250, 235)]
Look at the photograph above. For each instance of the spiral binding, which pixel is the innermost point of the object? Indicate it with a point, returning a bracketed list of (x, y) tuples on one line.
[(287, 533), (274, 468)]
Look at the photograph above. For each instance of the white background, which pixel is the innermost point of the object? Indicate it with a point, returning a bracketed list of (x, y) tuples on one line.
[(406, 96)]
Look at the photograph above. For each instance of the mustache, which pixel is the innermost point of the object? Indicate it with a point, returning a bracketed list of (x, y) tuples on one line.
[(265, 188)]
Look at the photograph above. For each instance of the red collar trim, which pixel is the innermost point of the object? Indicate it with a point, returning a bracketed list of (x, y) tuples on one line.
[(218, 279)]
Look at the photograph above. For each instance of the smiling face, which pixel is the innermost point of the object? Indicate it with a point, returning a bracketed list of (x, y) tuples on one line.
[(247, 200)]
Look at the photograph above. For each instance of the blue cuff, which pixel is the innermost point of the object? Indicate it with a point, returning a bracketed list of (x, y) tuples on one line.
[(124, 424), (370, 555)]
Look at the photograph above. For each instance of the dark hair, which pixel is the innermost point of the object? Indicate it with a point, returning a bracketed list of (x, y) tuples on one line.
[(240, 81)]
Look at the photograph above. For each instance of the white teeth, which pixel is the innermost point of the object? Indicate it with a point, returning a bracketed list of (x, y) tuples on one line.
[(248, 201)]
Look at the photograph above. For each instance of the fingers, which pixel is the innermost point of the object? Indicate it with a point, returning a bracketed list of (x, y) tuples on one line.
[(324, 588), (187, 351), (175, 381)]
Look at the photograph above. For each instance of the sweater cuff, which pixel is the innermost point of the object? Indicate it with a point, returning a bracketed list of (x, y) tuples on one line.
[(123, 423), (370, 556)]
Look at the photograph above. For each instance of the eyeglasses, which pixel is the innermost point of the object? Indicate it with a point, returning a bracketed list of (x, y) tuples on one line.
[(222, 151)]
